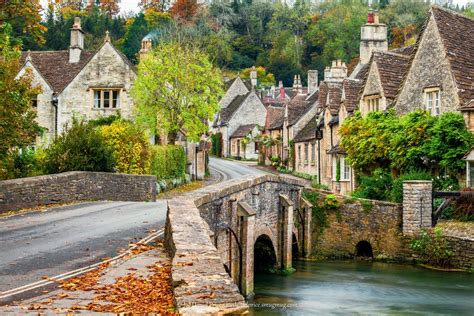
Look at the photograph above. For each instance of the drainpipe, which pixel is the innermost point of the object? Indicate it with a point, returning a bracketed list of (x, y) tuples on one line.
[(54, 102)]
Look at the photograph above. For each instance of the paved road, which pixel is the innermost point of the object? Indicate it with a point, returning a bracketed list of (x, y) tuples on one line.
[(62, 239), (232, 170)]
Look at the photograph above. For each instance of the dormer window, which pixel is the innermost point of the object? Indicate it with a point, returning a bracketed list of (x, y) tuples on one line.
[(433, 101), (373, 103)]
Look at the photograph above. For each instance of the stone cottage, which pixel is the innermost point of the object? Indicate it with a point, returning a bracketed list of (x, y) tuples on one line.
[(440, 77), (241, 107), (79, 83)]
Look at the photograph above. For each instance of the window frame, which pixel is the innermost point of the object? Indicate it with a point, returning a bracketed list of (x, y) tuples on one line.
[(345, 170), (99, 100), (373, 102), (432, 97)]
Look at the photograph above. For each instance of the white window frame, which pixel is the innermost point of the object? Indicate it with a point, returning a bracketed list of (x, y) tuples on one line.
[(373, 103), (98, 99), (345, 170), (334, 168), (306, 153), (313, 154), (299, 154), (433, 100)]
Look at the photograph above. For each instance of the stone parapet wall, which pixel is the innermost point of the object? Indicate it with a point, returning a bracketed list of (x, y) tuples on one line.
[(201, 283), (75, 186), (379, 224), (463, 252)]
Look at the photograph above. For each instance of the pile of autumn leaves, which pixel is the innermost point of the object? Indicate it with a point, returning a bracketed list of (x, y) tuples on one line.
[(129, 294)]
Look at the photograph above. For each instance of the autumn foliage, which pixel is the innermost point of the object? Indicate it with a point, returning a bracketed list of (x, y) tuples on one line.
[(184, 9)]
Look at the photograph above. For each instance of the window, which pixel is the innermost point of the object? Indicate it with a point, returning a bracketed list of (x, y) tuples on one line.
[(471, 174), (334, 168), (433, 101), (34, 103), (373, 103), (345, 170), (299, 154), (106, 99), (306, 153), (313, 153)]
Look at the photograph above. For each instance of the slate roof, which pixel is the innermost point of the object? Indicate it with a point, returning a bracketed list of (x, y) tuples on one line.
[(275, 118), (243, 131), (457, 34), (55, 67), (297, 107), (336, 150), (352, 89), (307, 133), (226, 113), (330, 96), (392, 69), (407, 50)]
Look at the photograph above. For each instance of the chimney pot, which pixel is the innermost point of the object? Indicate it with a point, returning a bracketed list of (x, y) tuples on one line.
[(370, 17)]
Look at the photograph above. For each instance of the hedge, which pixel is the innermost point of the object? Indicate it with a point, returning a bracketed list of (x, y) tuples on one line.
[(168, 162)]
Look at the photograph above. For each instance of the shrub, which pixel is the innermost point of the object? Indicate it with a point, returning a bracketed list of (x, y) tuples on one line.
[(216, 148), (168, 162), (331, 202), (432, 247), (130, 146), (29, 163), (396, 194), (80, 148), (375, 187)]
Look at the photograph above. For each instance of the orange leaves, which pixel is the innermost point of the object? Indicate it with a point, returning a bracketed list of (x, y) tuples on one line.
[(84, 282), (136, 294)]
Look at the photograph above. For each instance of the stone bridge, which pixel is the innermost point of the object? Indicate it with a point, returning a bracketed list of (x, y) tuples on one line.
[(221, 235)]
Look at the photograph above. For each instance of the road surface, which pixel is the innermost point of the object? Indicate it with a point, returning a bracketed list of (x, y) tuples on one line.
[(62, 239)]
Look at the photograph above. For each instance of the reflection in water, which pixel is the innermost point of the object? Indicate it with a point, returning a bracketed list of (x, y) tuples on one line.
[(363, 288)]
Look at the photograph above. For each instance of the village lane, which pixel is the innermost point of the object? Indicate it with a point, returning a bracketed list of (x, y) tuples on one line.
[(57, 240)]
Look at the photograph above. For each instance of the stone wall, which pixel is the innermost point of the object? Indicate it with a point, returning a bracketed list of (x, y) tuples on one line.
[(75, 186), (463, 252), (376, 222)]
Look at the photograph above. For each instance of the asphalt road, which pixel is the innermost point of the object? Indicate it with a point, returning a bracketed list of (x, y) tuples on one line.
[(62, 239)]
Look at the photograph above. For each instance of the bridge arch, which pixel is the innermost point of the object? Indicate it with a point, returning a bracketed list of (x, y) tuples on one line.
[(265, 258), (364, 249)]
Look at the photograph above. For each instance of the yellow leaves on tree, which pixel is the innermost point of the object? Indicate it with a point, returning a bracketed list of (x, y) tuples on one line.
[(131, 148), (26, 11)]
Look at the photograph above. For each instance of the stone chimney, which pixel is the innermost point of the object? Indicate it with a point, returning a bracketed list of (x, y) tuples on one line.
[(253, 77), (147, 46), (373, 37), (77, 41), (337, 72), (312, 81)]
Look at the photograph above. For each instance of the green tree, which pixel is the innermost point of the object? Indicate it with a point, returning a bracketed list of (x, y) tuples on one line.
[(404, 19), (335, 32), (177, 90), (18, 127), (415, 141)]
